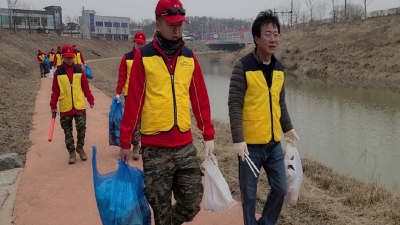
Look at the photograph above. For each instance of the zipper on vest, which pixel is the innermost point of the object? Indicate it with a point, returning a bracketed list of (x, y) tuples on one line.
[(72, 93), (270, 105), (173, 95)]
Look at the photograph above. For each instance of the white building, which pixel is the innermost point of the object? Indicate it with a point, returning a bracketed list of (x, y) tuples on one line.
[(47, 20), (104, 27)]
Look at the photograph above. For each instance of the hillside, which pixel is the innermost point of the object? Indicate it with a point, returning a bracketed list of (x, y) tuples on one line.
[(363, 51), (20, 80)]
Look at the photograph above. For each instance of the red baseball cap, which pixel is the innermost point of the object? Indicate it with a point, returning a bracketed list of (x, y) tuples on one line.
[(68, 52), (52, 49), (39, 50), (74, 45), (59, 47), (171, 10), (140, 38)]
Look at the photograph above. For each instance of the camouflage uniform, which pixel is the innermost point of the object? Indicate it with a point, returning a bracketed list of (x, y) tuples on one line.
[(80, 124), (176, 170), (41, 71)]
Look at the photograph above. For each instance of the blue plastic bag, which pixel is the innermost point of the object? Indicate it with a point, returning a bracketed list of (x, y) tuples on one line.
[(88, 72), (46, 65), (114, 121), (46, 60), (119, 195)]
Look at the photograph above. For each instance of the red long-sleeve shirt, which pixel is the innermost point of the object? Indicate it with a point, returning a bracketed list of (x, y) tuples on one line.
[(134, 105), (123, 74), (56, 91)]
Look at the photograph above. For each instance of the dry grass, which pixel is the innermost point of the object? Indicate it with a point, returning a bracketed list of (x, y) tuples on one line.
[(20, 80), (326, 197), (364, 52)]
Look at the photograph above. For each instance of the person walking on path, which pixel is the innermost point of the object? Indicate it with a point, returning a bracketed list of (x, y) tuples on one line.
[(165, 78), (123, 83), (70, 87), (41, 56), (58, 60), (258, 113), (78, 59), (51, 57)]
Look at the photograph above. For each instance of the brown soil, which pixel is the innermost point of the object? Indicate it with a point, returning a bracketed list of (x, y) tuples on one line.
[(326, 197), (20, 80), (363, 51)]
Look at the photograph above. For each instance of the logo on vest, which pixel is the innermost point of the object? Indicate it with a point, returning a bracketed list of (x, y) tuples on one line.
[(186, 64), (278, 77)]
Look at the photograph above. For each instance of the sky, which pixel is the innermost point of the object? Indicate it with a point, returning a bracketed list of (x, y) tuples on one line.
[(143, 9)]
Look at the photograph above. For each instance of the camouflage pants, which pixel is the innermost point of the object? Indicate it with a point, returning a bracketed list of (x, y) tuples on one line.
[(80, 124), (41, 70), (176, 170)]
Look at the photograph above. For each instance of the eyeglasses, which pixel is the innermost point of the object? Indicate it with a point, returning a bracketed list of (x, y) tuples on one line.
[(269, 35), (174, 12)]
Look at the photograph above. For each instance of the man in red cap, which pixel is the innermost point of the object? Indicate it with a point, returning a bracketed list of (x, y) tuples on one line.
[(70, 87), (78, 60), (40, 58), (58, 60), (51, 57), (165, 79), (123, 82)]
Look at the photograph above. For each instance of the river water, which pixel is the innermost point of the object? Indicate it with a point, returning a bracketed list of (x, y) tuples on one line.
[(352, 129)]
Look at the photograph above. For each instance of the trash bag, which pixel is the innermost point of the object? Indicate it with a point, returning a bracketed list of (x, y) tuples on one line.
[(119, 195), (217, 195), (46, 60), (294, 174), (51, 75), (88, 72), (114, 121)]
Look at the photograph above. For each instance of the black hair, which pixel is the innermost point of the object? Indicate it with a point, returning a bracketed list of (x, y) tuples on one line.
[(264, 17)]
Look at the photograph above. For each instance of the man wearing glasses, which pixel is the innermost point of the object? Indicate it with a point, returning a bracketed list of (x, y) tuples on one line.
[(258, 113), (166, 78)]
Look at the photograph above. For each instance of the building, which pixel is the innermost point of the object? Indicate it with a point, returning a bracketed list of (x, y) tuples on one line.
[(104, 27), (47, 20)]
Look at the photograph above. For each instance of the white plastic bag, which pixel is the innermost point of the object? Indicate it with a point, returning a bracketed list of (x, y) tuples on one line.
[(217, 195), (51, 73), (294, 174)]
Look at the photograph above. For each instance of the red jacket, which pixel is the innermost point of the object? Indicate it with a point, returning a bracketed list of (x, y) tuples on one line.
[(122, 74), (76, 52), (38, 58), (56, 91), (134, 106)]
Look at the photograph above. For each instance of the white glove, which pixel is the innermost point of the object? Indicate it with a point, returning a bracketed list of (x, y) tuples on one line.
[(117, 95), (240, 149), (52, 67), (208, 147), (291, 137)]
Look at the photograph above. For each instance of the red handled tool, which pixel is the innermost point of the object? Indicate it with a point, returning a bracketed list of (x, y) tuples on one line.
[(53, 119)]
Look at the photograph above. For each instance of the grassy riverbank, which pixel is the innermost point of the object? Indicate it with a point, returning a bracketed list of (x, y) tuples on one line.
[(326, 197), (362, 52)]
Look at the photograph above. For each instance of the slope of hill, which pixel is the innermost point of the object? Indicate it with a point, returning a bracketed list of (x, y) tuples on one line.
[(363, 51)]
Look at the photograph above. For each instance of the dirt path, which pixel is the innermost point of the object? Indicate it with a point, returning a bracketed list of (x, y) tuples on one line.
[(53, 192)]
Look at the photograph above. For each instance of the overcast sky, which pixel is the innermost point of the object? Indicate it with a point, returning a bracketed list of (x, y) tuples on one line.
[(138, 9)]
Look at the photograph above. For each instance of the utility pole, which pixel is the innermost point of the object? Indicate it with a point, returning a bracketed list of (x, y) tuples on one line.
[(291, 14), (345, 9)]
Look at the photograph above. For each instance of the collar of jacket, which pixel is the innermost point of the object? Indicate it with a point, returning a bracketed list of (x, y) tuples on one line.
[(273, 59), (158, 48)]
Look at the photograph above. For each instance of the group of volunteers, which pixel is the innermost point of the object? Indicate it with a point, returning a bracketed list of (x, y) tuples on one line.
[(159, 81), (56, 59)]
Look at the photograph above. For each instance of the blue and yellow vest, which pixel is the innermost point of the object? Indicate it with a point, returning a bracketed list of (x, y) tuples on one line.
[(129, 62), (166, 96), (71, 94), (261, 111)]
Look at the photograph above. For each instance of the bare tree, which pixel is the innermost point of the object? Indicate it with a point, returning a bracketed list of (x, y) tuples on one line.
[(334, 7), (296, 11), (43, 21), (366, 3), (99, 30), (320, 11), (68, 21), (27, 7), (310, 5), (11, 6)]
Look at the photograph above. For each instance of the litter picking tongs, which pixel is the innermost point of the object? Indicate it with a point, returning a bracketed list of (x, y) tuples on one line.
[(251, 164)]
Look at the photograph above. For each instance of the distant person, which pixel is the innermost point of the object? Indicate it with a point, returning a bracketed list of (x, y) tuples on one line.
[(70, 87), (51, 57), (78, 60), (58, 60), (165, 78), (41, 56), (123, 82), (258, 113)]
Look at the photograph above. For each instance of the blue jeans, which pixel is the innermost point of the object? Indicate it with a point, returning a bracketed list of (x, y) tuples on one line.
[(270, 157)]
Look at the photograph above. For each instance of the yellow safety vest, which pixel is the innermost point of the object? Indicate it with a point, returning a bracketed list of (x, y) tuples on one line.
[(71, 94), (77, 59), (41, 57), (129, 62), (166, 96), (59, 59), (261, 111), (51, 57)]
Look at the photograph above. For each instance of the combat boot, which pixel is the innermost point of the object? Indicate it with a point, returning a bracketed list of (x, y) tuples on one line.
[(135, 152), (72, 157), (81, 153)]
